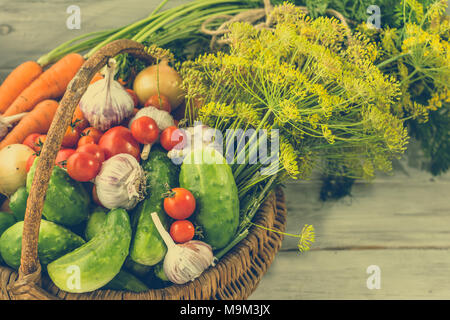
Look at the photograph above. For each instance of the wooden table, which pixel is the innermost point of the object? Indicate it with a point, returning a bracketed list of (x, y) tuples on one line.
[(400, 223)]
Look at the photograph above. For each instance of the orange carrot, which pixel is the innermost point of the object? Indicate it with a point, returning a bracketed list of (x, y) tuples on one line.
[(36, 121), (17, 81), (50, 85)]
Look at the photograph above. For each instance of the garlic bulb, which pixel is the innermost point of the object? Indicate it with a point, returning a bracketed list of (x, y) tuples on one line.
[(184, 262), (121, 182), (6, 122), (162, 118), (106, 103)]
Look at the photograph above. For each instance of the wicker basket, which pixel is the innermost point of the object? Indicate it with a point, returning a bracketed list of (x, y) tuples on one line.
[(236, 275)]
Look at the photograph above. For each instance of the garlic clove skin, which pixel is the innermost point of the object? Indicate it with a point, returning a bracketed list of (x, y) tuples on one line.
[(184, 262), (187, 261), (121, 182), (106, 103)]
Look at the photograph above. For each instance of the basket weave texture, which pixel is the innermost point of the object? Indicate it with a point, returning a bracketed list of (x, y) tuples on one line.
[(234, 277)]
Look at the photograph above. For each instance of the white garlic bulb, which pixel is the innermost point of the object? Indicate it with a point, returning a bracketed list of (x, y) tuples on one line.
[(106, 103), (187, 261), (121, 182)]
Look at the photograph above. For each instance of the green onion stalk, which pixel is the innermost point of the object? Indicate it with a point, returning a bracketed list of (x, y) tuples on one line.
[(161, 27)]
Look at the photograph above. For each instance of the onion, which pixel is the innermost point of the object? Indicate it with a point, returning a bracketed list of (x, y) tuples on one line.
[(146, 84), (13, 161)]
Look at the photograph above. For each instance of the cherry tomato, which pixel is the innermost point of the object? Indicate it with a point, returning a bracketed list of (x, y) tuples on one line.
[(182, 231), (30, 140), (71, 137), (171, 137), (62, 156), (180, 204), (93, 149), (119, 140), (78, 120), (159, 101), (145, 130), (30, 162), (83, 166), (134, 97), (92, 132), (84, 140), (39, 143), (95, 196)]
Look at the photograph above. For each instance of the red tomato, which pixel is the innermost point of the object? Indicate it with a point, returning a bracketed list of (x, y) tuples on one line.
[(119, 140), (62, 156), (182, 231), (145, 130), (133, 96), (71, 137), (95, 196), (30, 140), (30, 162), (171, 137), (180, 204), (93, 149), (92, 132), (39, 143), (83, 166), (159, 101), (84, 140)]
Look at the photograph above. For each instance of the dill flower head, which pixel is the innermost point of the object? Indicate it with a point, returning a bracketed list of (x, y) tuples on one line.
[(307, 79)]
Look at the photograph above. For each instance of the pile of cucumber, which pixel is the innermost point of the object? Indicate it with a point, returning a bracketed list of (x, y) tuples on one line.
[(83, 247)]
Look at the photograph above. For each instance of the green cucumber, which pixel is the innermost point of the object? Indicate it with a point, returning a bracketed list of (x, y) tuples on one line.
[(18, 203), (98, 261), (66, 201), (159, 271), (96, 222), (147, 247), (125, 281), (6, 221), (207, 175), (54, 241)]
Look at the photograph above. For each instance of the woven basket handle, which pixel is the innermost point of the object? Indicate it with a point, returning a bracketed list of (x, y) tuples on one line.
[(63, 117)]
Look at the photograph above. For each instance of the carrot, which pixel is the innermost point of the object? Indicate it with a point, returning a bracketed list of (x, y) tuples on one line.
[(50, 85), (17, 81), (36, 121)]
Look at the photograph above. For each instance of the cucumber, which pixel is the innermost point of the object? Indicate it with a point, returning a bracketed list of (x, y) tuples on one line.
[(147, 247), (54, 241), (159, 272), (66, 201), (95, 223), (18, 203), (6, 221), (207, 175), (98, 261), (125, 281)]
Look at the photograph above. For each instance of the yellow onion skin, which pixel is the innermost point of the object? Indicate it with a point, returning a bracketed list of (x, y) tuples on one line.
[(170, 84)]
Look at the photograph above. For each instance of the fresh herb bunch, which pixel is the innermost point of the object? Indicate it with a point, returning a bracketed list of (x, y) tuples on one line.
[(305, 78)]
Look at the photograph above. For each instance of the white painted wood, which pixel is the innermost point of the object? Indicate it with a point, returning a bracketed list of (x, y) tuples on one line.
[(405, 274)]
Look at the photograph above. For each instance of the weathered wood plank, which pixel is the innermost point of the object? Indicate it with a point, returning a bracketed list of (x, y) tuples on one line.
[(405, 274), (36, 27), (397, 213)]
